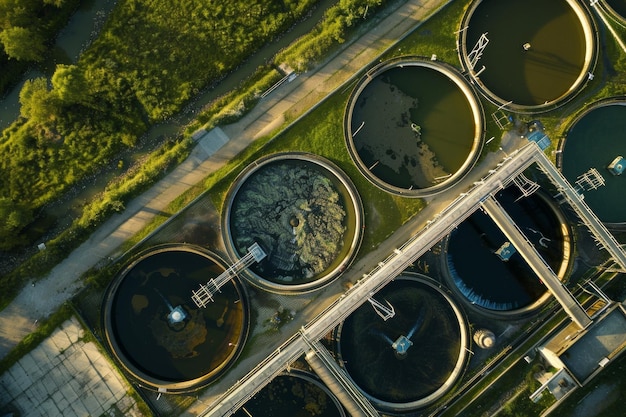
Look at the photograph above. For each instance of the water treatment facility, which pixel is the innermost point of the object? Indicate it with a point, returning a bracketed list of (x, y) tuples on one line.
[(453, 246), (501, 254)]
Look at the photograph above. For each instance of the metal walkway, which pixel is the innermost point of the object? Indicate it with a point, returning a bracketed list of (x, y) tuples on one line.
[(204, 295), (536, 262), (461, 208), (576, 201), (338, 382), (443, 223)]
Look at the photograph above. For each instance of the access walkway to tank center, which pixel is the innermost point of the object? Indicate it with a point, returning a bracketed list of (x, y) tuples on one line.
[(480, 195), (536, 262), (325, 366)]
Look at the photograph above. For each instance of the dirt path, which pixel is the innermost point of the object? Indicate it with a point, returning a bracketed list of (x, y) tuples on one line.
[(36, 302)]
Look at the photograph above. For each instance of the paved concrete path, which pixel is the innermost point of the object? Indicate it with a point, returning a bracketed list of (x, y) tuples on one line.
[(65, 376), (38, 301)]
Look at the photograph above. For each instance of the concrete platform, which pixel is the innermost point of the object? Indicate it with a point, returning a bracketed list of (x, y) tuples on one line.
[(65, 376), (213, 140), (604, 341)]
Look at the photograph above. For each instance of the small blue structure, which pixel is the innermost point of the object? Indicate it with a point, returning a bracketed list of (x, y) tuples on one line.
[(506, 251), (177, 315), (401, 346), (536, 134), (617, 165)]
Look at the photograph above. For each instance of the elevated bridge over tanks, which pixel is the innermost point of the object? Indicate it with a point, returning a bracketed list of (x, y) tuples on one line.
[(480, 195), (536, 262)]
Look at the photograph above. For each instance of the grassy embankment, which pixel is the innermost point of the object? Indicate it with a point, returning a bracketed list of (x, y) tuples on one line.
[(320, 132), (101, 105), (152, 169), (28, 30)]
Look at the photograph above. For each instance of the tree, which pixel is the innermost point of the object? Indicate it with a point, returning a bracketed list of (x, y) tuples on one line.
[(23, 44), (14, 218), (70, 85), (39, 104), (56, 3), (16, 13)]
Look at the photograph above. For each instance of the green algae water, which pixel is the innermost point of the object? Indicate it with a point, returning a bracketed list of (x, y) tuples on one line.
[(301, 213)]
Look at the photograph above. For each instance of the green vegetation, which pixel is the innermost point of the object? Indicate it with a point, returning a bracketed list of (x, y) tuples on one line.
[(30, 342), (109, 201), (310, 49), (233, 105), (15, 216), (27, 32), (75, 124), (436, 36), (122, 102), (148, 61), (166, 51), (509, 396), (320, 132), (338, 23)]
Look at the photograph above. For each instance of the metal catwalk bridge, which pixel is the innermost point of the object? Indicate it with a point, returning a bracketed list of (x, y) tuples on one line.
[(536, 262), (576, 201), (338, 381), (205, 293), (443, 223)]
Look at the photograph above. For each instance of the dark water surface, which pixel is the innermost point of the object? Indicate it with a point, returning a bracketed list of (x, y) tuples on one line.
[(171, 353), (290, 396), (593, 142), (482, 276), (390, 104), (423, 315), (545, 71), (619, 6)]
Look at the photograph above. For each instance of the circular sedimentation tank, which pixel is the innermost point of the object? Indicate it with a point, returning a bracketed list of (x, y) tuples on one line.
[(594, 140), (303, 211), (504, 284), (413, 126), (157, 333), (616, 8), (298, 394), (528, 55), (412, 359)]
